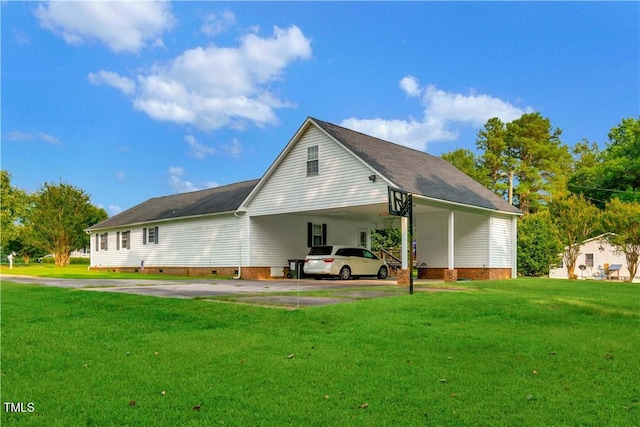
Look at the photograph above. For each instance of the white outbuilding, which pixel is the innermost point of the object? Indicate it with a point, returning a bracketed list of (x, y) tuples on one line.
[(329, 185)]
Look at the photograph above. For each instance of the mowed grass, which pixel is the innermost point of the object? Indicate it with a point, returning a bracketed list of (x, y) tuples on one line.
[(512, 353), (78, 271)]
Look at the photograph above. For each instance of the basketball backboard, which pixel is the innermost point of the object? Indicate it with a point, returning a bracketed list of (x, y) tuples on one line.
[(399, 202)]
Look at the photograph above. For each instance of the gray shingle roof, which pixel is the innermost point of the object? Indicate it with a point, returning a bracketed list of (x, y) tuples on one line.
[(214, 200), (416, 171)]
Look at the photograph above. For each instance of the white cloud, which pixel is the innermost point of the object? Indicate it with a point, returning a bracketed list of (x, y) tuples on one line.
[(122, 26), (215, 24), (125, 85), (216, 87), (442, 110), (198, 150), (410, 85), (234, 149), (180, 185), (33, 136), (120, 175), (114, 210)]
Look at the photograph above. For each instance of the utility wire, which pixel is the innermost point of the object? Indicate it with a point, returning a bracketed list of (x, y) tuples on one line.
[(602, 189)]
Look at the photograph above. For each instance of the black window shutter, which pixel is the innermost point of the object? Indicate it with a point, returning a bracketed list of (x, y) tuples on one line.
[(117, 240), (97, 242), (144, 236), (309, 234), (156, 235), (324, 234), (106, 241)]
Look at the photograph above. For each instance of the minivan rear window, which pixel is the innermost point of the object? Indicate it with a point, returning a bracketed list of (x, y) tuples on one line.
[(321, 250)]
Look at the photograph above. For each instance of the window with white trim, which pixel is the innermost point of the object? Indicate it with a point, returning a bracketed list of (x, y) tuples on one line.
[(104, 241), (588, 260), (316, 234), (150, 235), (312, 160), (124, 240)]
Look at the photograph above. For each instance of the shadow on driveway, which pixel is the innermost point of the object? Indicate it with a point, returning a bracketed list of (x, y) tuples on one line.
[(279, 293)]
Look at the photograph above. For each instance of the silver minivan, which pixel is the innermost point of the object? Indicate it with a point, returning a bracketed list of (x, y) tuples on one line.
[(344, 262)]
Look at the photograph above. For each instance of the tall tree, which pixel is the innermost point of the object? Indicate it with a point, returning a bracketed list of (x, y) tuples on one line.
[(465, 161), (492, 143), (575, 220), (615, 172), (58, 218), (538, 158), (538, 247), (622, 221), (13, 204)]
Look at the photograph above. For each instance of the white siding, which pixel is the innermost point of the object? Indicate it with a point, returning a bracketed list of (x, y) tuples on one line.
[(275, 239), (607, 255), (200, 242), (471, 233), (501, 241), (431, 236), (342, 180)]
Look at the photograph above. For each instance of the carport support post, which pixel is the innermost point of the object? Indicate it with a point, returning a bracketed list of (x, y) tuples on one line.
[(407, 242)]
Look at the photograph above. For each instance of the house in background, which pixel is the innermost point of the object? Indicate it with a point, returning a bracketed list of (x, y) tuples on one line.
[(598, 257), (328, 186)]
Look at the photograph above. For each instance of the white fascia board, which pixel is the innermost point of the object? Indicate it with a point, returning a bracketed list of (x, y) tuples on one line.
[(158, 221), (464, 205)]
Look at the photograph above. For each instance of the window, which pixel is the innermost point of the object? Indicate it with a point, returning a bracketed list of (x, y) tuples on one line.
[(126, 239), (150, 235), (316, 234), (312, 160), (363, 239), (368, 254), (588, 260), (104, 241)]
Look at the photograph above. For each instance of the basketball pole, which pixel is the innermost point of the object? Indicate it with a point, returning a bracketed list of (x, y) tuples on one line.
[(410, 197)]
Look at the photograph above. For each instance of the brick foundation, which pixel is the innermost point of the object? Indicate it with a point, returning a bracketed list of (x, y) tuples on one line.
[(174, 271), (403, 277), (450, 275), (466, 273), (255, 273)]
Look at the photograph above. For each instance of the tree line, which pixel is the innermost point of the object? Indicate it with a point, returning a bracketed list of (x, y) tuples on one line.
[(52, 220), (566, 194)]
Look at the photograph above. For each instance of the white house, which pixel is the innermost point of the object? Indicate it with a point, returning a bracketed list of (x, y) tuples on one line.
[(600, 261), (327, 186)]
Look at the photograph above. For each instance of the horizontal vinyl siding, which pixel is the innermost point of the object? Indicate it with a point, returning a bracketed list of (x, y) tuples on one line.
[(471, 236), (431, 235), (501, 238), (276, 239), (195, 243), (342, 180)]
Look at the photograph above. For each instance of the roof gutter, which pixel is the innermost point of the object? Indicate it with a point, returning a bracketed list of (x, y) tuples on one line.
[(464, 205)]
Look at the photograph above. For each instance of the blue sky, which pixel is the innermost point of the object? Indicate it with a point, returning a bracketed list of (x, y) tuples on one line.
[(136, 100)]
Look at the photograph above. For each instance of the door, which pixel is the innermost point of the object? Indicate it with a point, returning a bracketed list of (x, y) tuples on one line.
[(370, 262)]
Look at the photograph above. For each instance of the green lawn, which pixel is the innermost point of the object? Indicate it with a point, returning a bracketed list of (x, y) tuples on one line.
[(82, 272), (524, 352)]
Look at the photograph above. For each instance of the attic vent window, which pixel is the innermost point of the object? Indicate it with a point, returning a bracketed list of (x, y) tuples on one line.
[(312, 160)]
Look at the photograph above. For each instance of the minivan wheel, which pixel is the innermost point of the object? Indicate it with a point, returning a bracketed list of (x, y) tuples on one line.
[(345, 273), (383, 273)]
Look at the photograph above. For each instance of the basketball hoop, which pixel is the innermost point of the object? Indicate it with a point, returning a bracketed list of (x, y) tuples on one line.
[(388, 221)]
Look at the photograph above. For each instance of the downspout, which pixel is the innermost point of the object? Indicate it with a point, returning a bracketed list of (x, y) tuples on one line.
[(239, 248)]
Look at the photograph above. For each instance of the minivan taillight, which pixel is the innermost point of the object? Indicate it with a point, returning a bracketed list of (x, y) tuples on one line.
[(328, 259)]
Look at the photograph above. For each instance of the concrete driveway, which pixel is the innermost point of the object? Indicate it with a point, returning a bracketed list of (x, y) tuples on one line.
[(261, 292)]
